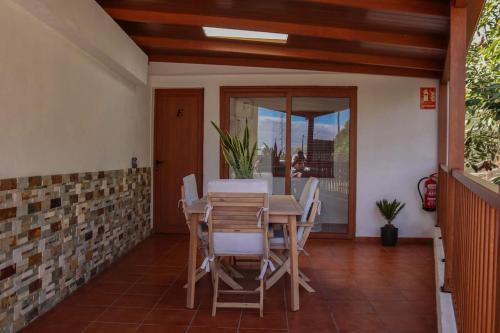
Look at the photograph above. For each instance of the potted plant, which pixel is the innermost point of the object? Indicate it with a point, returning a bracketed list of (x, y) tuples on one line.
[(238, 153), (389, 210)]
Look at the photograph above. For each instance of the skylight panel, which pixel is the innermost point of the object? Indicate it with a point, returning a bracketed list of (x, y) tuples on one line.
[(249, 35)]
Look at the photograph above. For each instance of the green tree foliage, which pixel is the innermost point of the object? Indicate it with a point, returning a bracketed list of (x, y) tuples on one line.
[(342, 144), (482, 127)]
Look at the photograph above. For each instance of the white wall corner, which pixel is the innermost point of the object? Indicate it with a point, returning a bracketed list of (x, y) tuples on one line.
[(444, 303), (87, 25)]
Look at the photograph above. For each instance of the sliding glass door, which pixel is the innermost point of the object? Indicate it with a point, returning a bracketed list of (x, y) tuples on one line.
[(300, 133), (320, 148), (266, 121)]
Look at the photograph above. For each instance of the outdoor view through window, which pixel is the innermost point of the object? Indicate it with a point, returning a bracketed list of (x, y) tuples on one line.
[(319, 148)]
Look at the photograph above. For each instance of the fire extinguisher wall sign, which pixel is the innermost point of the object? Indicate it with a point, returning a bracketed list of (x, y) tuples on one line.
[(428, 98), (429, 196)]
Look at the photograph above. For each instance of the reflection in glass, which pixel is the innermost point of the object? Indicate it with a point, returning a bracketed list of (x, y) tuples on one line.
[(320, 148), (266, 120)]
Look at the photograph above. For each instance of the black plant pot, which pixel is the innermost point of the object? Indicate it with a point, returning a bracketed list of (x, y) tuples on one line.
[(389, 235)]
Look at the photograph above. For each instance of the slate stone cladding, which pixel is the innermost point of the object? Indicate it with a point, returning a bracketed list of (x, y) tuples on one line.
[(57, 232)]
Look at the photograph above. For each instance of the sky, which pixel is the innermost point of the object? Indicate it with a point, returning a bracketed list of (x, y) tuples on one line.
[(272, 127)]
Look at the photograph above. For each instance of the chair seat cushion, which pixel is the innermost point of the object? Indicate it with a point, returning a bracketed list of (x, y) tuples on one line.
[(244, 243)]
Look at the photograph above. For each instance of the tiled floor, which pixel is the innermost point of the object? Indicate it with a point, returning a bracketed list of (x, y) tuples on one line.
[(362, 287)]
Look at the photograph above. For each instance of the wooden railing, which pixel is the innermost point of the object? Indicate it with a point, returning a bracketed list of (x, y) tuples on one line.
[(468, 213)]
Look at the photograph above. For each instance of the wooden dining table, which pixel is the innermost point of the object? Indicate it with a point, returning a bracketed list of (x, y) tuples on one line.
[(283, 209)]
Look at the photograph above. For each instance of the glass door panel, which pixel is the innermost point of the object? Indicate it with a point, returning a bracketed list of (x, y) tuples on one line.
[(320, 148), (266, 119)]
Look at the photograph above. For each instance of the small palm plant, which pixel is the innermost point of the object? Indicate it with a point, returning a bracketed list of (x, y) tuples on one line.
[(238, 153), (389, 210)]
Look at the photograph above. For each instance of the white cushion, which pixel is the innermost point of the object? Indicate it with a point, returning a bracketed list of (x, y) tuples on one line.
[(244, 243), (190, 189), (277, 241), (238, 186)]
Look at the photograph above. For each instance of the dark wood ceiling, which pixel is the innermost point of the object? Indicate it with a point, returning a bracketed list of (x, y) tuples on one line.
[(394, 37)]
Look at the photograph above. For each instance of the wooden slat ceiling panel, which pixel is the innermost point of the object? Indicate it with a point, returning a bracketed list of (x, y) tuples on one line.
[(407, 37), (195, 33)]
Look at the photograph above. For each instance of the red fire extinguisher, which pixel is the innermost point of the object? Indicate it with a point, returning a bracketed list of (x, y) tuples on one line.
[(430, 192)]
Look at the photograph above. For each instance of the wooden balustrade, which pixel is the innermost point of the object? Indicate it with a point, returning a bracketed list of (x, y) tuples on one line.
[(475, 250), (441, 204)]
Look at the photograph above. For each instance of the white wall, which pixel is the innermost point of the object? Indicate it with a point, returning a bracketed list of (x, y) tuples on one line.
[(397, 142), (61, 109)]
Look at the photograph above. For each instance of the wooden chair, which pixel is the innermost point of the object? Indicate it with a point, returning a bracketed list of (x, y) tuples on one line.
[(238, 217), (309, 200), (189, 194)]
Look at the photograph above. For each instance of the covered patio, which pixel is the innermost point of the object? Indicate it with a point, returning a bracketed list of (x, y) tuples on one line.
[(362, 287), (108, 105)]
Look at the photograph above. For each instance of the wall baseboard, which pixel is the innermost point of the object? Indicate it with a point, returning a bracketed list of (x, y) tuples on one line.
[(59, 231), (401, 240), (444, 303)]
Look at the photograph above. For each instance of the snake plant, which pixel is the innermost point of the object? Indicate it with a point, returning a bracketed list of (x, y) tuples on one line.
[(238, 153), (389, 210)]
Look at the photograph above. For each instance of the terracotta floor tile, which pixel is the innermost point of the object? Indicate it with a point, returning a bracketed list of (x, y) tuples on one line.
[(170, 317), (95, 299), (408, 323), (223, 318), (419, 294), (393, 307), (384, 294), (316, 330), (361, 287), (111, 328), (175, 297), (120, 277), (157, 328), (352, 322), (198, 329), (72, 314), (313, 322), (111, 287), (61, 327), (138, 301), (271, 320), (256, 330), (160, 278), (340, 308), (124, 315), (146, 289)]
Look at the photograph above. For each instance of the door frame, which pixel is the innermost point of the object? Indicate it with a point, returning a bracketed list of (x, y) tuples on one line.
[(226, 92), (199, 175)]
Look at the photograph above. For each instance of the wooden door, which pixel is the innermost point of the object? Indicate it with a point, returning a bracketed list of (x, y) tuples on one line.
[(178, 151)]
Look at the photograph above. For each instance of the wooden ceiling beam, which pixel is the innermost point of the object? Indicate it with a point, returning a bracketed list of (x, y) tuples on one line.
[(284, 52), (420, 7), (137, 14), (460, 3), (294, 64)]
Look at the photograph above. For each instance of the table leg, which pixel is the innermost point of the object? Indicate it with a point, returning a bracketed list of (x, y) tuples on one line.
[(294, 263), (193, 245)]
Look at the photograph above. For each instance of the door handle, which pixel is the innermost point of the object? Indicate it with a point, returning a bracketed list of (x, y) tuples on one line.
[(158, 162)]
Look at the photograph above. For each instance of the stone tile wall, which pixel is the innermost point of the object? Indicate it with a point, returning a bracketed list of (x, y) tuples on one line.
[(57, 232)]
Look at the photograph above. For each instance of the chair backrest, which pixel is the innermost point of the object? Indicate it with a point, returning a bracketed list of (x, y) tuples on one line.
[(190, 188), (309, 200), (238, 217), (307, 197), (184, 205)]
